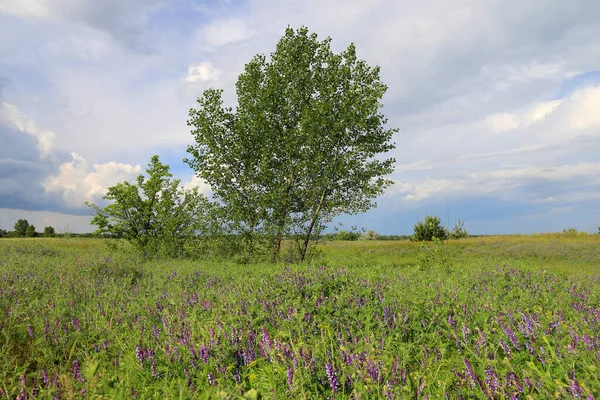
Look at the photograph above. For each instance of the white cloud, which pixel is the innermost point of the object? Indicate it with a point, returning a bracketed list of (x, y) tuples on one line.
[(78, 184), (203, 72), (226, 31), (532, 114), (503, 183), (582, 110), (505, 76), (27, 8), (13, 116), (125, 21), (553, 144), (199, 183)]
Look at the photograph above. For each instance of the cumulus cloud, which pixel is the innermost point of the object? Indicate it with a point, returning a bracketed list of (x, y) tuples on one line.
[(562, 133), (203, 72), (34, 176), (10, 114), (196, 182), (77, 184)]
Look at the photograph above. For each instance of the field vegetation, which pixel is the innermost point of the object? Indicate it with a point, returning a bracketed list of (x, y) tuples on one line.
[(491, 317)]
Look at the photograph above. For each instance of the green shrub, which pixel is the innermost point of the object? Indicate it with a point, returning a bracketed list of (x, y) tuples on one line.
[(346, 235), (572, 231), (430, 229), (459, 231)]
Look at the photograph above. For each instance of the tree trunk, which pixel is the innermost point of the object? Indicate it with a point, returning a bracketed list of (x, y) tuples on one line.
[(311, 227)]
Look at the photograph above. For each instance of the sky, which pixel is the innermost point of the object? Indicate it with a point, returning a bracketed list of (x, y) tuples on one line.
[(497, 102)]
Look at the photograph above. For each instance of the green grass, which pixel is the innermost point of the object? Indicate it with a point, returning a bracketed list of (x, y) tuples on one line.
[(479, 318)]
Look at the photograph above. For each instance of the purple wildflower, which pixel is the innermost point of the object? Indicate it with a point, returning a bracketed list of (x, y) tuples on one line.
[(139, 353), (204, 354), (75, 323), (153, 361), (156, 332), (492, 381), (77, 371), (373, 371), (189, 378), (211, 379), (511, 336), (388, 391), (333, 381), (266, 338), (290, 378), (395, 370), (575, 389), (505, 348)]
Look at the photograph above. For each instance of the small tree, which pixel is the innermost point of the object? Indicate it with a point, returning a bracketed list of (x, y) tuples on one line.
[(49, 231), (156, 215), (3, 233), (30, 232), (459, 231), (430, 229), (21, 227)]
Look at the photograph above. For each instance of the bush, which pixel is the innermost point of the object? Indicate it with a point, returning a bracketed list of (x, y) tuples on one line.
[(430, 229), (346, 235), (369, 235), (572, 232), (459, 231)]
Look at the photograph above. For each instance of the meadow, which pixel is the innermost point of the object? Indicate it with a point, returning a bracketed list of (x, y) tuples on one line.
[(491, 318)]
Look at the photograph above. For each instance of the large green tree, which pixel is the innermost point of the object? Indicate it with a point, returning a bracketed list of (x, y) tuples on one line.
[(21, 227), (302, 146), (156, 215)]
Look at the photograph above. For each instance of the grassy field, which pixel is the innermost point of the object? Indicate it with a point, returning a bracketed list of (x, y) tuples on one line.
[(491, 318)]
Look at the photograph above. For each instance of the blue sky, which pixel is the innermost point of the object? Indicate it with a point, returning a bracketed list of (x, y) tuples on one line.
[(498, 103)]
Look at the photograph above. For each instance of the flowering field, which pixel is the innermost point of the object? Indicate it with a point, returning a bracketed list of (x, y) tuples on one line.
[(79, 321)]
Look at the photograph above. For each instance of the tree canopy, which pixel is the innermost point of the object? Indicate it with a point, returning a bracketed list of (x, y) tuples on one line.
[(21, 227), (30, 232), (303, 145)]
